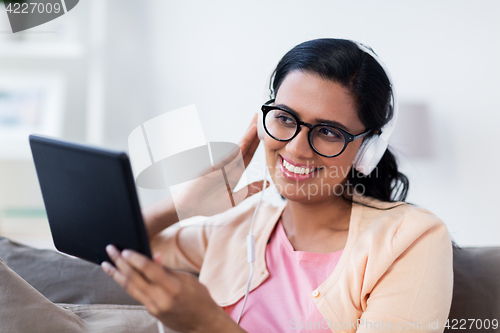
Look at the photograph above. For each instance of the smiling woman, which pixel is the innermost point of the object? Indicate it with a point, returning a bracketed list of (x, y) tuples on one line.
[(344, 253)]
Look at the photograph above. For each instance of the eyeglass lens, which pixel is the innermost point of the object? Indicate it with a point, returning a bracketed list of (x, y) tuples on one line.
[(326, 140)]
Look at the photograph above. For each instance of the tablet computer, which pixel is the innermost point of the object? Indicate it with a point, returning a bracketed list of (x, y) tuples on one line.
[(90, 198)]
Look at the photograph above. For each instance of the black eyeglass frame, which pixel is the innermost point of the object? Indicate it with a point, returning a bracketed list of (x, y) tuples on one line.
[(348, 137)]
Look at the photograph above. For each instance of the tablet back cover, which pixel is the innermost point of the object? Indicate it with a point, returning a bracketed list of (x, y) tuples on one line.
[(90, 199)]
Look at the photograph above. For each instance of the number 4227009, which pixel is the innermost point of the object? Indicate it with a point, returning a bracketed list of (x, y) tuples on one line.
[(468, 324), (34, 7)]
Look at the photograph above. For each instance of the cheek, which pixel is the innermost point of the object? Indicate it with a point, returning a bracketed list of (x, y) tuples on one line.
[(351, 150), (272, 146), (341, 165), (272, 149)]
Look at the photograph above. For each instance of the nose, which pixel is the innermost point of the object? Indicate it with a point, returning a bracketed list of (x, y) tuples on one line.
[(299, 146)]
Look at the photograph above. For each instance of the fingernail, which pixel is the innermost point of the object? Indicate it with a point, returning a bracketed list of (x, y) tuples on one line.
[(112, 251), (157, 257), (106, 266), (126, 253)]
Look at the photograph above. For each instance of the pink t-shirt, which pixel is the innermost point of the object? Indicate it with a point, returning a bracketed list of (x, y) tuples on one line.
[(282, 303)]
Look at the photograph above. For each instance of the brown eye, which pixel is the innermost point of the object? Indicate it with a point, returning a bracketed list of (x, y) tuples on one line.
[(285, 119), (329, 134)]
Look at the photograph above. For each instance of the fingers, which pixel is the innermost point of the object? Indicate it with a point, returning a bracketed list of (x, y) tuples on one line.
[(250, 146), (250, 151), (131, 288), (254, 188), (133, 282), (254, 119), (249, 136), (135, 265), (144, 280), (153, 272), (157, 258)]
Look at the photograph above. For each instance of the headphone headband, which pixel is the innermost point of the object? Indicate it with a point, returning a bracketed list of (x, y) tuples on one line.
[(373, 148), (388, 128)]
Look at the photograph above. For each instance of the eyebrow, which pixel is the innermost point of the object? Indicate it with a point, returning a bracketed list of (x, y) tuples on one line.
[(318, 120)]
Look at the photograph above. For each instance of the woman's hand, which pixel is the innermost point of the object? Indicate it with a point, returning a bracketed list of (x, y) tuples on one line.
[(211, 194), (208, 195), (176, 298)]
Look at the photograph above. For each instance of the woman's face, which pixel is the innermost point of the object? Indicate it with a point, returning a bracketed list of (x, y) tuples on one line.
[(315, 100)]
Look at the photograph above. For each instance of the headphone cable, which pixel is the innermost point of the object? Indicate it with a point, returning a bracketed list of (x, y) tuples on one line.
[(251, 246)]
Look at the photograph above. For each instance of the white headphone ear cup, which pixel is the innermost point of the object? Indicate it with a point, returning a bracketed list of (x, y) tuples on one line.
[(369, 154), (356, 163), (261, 132)]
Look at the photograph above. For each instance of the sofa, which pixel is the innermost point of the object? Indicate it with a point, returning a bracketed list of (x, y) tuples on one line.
[(476, 289), (93, 302), (86, 299)]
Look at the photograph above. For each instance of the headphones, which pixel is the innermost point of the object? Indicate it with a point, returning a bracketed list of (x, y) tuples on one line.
[(373, 148)]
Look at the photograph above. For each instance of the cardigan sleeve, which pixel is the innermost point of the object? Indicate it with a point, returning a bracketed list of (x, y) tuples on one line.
[(185, 247), (414, 294)]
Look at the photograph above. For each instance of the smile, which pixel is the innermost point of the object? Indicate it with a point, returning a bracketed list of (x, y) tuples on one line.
[(296, 172), (296, 169)]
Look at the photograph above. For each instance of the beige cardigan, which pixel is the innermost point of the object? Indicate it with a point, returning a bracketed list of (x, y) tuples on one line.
[(395, 273)]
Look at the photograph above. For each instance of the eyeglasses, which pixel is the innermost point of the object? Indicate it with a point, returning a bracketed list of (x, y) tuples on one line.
[(324, 139)]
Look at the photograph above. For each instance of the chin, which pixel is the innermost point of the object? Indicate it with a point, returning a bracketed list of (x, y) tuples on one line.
[(301, 198), (311, 191), (309, 199)]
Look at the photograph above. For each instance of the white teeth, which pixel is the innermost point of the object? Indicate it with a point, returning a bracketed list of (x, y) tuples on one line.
[(295, 169)]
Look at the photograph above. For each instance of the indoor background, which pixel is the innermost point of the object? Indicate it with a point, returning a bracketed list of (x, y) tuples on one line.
[(107, 66)]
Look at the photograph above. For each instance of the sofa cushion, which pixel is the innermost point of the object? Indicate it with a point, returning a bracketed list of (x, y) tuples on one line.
[(476, 290), (24, 309), (101, 318), (63, 279)]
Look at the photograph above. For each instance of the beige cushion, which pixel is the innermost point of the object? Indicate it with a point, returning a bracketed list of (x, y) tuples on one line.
[(114, 318), (63, 279), (24, 309)]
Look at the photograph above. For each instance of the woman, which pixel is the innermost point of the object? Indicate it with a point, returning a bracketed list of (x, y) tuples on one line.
[(345, 253)]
